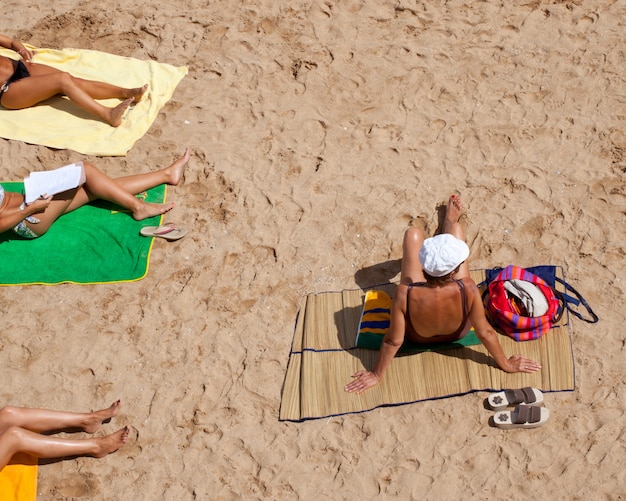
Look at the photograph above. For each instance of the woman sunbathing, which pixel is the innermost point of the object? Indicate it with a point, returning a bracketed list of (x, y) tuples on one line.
[(34, 219), (436, 295), (24, 84), (21, 431)]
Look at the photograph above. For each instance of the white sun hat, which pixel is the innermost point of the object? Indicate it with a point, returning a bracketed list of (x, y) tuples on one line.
[(441, 254)]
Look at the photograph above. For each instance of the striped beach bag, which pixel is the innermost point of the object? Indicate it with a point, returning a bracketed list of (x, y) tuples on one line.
[(522, 305)]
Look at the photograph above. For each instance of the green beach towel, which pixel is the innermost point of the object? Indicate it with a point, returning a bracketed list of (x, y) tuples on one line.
[(375, 321), (98, 243)]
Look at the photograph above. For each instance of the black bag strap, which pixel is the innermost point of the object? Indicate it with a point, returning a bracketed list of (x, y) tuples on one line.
[(576, 301), (562, 305)]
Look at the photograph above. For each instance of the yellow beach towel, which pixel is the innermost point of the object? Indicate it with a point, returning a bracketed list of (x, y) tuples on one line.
[(58, 123), (18, 482)]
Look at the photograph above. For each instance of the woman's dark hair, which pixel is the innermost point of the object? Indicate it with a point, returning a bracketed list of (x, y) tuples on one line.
[(439, 280)]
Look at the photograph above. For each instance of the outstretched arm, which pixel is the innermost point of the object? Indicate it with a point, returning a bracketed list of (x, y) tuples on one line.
[(390, 346), (486, 334)]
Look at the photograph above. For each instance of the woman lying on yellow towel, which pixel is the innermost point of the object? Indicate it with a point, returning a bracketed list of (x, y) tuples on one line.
[(21, 430), (24, 83), (437, 301)]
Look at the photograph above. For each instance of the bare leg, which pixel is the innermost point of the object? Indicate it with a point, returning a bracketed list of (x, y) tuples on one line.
[(97, 90), (41, 420), (411, 267), (451, 225), (44, 85), (119, 191), (172, 175), (16, 439), (99, 185)]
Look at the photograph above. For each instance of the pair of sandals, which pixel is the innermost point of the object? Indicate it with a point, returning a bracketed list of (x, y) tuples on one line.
[(527, 413)]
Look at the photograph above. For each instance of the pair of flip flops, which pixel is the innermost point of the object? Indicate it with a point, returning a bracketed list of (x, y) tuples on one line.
[(168, 231), (527, 413)]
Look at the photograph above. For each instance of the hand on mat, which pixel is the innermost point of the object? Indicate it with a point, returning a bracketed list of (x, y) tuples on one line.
[(518, 363), (363, 380)]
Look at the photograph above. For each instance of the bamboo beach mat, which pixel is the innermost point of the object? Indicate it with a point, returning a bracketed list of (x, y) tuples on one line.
[(324, 356)]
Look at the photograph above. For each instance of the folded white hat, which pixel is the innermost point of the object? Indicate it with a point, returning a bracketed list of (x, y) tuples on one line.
[(530, 296), (441, 254)]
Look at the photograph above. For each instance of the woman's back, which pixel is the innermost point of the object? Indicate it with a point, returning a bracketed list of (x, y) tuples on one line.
[(437, 313)]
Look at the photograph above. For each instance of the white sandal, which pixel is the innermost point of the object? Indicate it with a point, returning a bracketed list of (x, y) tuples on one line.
[(507, 398), (523, 416)]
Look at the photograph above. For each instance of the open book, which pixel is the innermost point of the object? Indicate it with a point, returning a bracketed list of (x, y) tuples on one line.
[(54, 181)]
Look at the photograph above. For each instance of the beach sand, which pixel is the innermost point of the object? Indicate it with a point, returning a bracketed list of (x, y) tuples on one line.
[(319, 132)]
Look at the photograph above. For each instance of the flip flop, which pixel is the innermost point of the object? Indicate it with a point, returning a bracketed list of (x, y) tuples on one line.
[(168, 231), (504, 399), (523, 416)]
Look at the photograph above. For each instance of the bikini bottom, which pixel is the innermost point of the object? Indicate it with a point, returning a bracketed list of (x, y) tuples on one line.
[(24, 231)]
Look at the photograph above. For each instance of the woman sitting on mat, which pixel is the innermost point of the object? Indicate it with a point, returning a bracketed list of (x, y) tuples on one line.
[(34, 219), (22, 431), (24, 84), (435, 295)]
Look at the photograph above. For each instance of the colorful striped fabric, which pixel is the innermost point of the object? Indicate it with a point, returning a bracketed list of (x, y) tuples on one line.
[(376, 313), (502, 312)]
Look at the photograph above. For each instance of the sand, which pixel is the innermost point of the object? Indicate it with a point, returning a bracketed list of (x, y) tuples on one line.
[(319, 131)]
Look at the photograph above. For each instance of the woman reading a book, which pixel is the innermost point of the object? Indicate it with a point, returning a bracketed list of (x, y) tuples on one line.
[(437, 301), (24, 83), (24, 430), (34, 219)]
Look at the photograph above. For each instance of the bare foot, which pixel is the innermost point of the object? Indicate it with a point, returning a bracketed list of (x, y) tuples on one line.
[(454, 210), (117, 113), (96, 418), (177, 169), (137, 93), (112, 442), (146, 210)]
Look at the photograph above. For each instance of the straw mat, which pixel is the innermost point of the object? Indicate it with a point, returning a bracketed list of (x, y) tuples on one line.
[(323, 358)]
